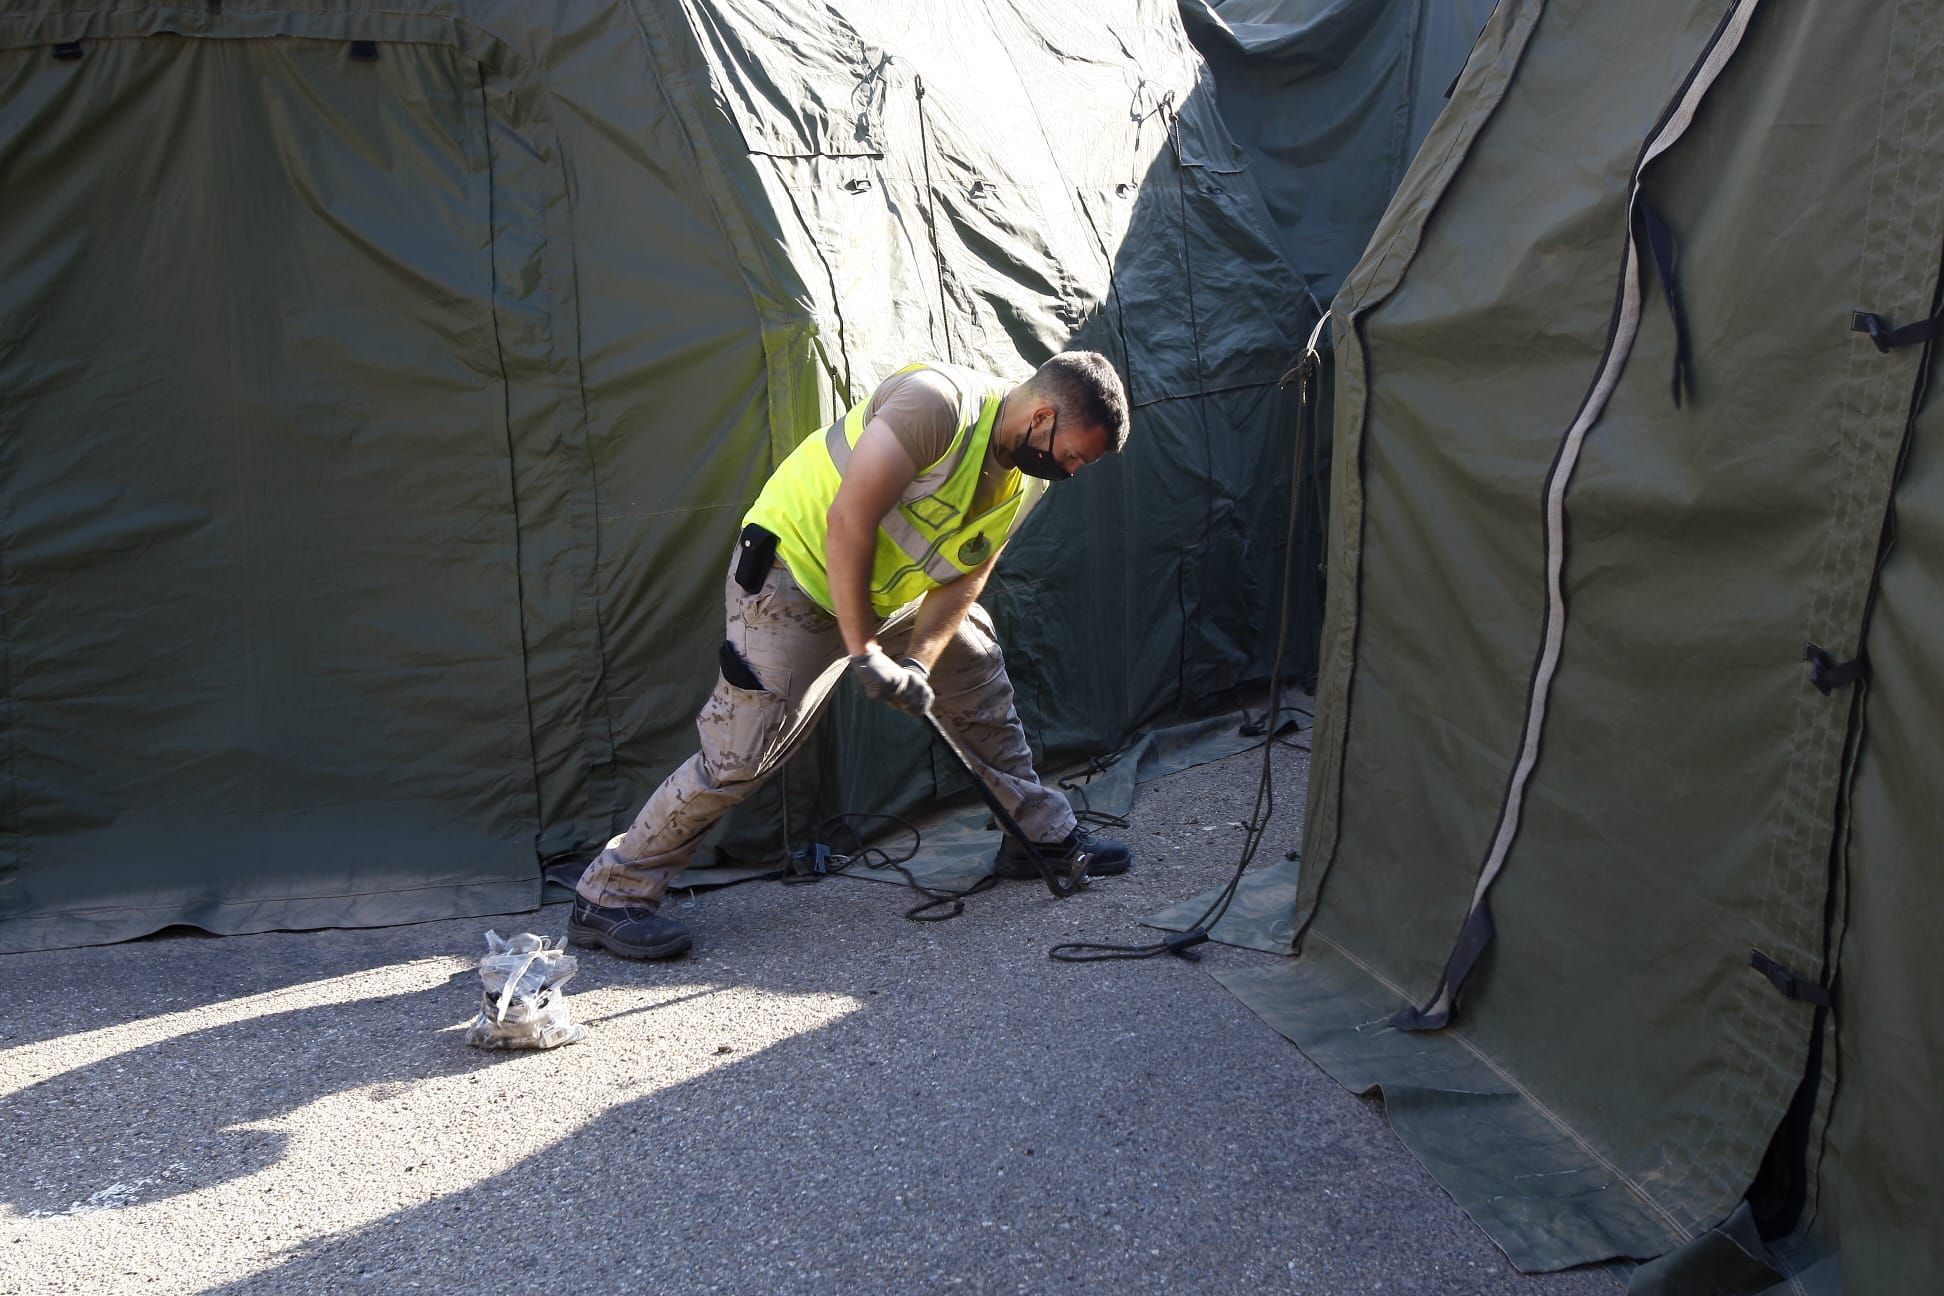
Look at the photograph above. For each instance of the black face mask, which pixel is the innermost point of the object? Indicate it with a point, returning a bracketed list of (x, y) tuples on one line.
[(1035, 462)]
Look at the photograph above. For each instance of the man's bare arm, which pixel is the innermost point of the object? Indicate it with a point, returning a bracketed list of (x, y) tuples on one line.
[(878, 472), (944, 607)]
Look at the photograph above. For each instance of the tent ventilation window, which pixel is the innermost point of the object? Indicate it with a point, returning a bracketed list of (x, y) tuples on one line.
[(364, 51), (68, 51)]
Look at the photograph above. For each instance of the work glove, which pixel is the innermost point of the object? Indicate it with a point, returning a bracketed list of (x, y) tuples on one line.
[(903, 684)]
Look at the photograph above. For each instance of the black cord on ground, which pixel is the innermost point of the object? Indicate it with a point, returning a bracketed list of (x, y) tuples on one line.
[(1182, 944), (839, 863), (1075, 786)]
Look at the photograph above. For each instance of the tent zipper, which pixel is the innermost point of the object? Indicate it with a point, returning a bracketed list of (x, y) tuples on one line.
[(1476, 932)]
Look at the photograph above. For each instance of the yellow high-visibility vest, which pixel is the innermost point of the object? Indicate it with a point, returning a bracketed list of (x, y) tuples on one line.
[(928, 539)]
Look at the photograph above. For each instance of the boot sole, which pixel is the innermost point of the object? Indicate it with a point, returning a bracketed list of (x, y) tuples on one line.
[(1027, 873), (589, 939)]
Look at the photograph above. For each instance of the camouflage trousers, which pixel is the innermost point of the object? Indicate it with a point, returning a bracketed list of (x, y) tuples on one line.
[(790, 650)]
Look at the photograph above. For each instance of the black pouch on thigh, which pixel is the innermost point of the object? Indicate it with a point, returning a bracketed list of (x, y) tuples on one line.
[(755, 554)]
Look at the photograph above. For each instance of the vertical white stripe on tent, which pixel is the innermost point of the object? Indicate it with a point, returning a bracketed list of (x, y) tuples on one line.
[(1625, 329)]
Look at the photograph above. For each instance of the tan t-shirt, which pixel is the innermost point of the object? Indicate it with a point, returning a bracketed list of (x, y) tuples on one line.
[(921, 409)]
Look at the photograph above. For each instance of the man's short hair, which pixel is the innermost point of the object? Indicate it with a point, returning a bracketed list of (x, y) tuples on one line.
[(1083, 386)]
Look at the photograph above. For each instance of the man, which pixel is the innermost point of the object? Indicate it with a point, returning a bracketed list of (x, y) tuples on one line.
[(869, 547)]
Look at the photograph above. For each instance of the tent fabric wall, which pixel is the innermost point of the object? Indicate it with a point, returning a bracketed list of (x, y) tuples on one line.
[(196, 585), (377, 427), (1620, 1075), (1329, 101)]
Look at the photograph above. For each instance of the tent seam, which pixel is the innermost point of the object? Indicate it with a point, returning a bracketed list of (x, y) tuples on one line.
[(208, 25), (731, 218), (576, 383), (493, 290), (1849, 545), (1444, 168), (1786, 840)]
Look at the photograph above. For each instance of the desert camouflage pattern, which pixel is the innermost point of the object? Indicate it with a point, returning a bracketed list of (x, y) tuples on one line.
[(795, 651)]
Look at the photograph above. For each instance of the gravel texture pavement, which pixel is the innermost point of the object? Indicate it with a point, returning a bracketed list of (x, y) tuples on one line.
[(823, 1098)]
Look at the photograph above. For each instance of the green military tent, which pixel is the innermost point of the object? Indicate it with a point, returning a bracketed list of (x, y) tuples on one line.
[(381, 386), (1623, 857)]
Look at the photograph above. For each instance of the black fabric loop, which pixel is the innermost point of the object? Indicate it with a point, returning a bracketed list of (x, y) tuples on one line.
[(68, 51), (1666, 251), (1789, 983), (364, 51), (1476, 934), (1828, 674), (1885, 338)]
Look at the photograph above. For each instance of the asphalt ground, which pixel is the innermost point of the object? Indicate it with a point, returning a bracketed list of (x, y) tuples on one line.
[(824, 1097)]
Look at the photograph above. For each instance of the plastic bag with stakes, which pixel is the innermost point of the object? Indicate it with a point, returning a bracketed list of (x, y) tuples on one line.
[(522, 1004)]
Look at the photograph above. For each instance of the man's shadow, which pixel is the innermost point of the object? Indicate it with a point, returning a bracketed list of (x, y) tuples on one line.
[(158, 1120), (184, 1114)]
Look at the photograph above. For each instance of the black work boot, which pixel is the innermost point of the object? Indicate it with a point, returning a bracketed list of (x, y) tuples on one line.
[(1105, 857), (632, 931)]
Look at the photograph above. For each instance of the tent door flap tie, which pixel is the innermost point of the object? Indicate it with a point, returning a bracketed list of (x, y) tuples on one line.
[(1828, 674), (1885, 337), (1666, 250), (1477, 933), (1792, 985)]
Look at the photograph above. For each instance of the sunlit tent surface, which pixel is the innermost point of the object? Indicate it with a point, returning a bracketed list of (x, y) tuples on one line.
[(383, 386), (1622, 870)]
